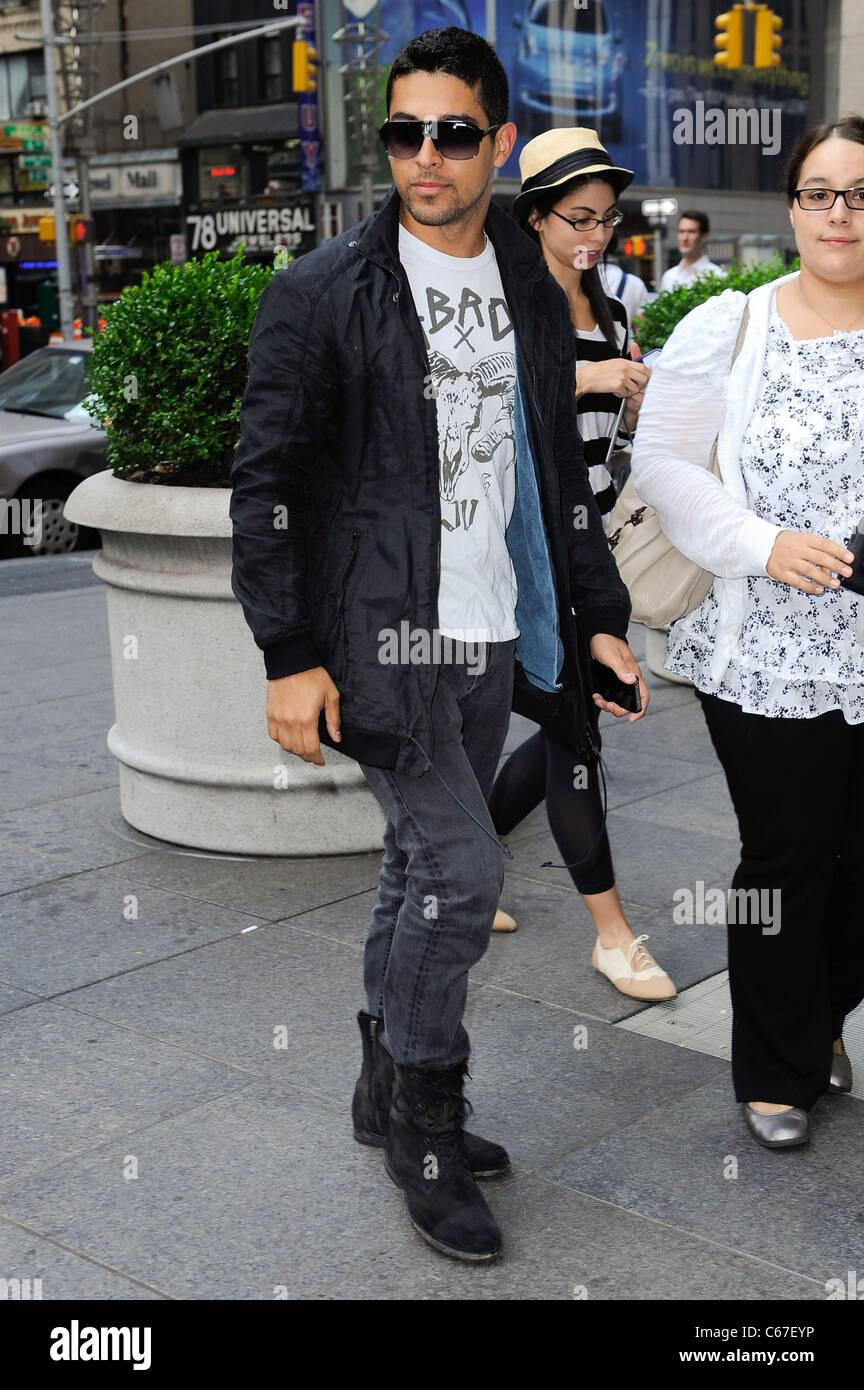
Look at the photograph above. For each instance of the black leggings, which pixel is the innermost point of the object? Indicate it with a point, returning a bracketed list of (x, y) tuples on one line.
[(544, 768)]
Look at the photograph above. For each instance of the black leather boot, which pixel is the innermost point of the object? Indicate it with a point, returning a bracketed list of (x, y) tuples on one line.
[(425, 1156), (370, 1108)]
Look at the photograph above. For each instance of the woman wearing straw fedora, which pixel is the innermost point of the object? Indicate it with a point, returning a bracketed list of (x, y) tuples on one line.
[(568, 205)]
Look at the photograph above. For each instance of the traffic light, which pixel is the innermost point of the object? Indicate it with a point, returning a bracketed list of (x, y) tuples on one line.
[(80, 230), (729, 40), (304, 61), (46, 228), (769, 38)]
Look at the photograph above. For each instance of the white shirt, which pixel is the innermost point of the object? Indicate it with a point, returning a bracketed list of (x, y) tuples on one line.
[(633, 293), (691, 396), (683, 274), (801, 458), (470, 345)]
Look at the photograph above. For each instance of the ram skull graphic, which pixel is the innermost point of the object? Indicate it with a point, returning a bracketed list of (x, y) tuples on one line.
[(461, 397)]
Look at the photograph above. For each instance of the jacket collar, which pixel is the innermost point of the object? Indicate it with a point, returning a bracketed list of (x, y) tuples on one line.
[(519, 258)]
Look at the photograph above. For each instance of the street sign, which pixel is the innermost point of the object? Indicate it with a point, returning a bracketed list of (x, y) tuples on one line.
[(70, 192), (26, 132), (34, 145), (659, 207), (35, 161)]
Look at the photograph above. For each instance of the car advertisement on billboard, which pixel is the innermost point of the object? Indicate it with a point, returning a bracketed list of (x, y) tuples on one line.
[(643, 74)]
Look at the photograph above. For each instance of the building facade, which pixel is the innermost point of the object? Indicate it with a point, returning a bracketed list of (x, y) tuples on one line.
[(243, 156), (642, 73), (224, 151)]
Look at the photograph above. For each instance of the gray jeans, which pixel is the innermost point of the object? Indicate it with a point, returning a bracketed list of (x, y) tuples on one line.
[(441, 873)]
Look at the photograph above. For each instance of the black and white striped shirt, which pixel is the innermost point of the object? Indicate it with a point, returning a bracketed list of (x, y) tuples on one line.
[(598, 410)]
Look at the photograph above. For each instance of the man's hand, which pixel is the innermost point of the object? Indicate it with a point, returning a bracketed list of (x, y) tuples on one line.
[(293, 706), (807, 562), (615, 654)]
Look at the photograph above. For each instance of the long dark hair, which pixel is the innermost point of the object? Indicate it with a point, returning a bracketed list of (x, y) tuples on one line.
[(846, 128), (591, 282)]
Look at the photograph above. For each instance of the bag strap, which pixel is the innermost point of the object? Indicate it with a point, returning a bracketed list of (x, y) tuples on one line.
[(636, 517), (621, 283), (742, 333)]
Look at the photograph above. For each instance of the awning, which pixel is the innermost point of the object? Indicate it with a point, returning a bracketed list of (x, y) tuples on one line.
[(241, 125)]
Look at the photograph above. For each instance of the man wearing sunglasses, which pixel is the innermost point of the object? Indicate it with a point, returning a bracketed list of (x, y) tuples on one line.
[(410, 409)]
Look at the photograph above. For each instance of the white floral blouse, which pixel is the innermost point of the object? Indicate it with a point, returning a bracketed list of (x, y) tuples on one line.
[(802, 460)]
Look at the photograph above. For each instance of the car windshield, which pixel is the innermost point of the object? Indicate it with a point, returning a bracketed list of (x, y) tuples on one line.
[(562, 14), (47, 382)]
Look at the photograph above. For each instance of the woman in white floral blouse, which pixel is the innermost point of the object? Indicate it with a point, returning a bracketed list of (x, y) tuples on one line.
[(776, 649)]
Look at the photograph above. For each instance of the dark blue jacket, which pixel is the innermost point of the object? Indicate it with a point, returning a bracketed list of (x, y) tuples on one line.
[(336, 504)]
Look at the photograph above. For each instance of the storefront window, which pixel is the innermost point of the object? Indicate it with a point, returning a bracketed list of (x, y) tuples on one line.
[(222, 173), (281, 168), (5, 177)]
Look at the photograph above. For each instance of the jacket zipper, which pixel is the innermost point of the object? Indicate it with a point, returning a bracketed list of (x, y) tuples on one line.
[(340, 605)]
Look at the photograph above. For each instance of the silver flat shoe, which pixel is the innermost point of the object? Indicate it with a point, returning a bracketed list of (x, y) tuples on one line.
[(841, 1073), (781, 1131)]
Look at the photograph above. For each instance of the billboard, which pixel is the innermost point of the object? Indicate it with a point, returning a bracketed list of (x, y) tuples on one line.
[(642, 74)]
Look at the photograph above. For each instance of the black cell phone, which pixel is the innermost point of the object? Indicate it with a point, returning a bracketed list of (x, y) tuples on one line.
[(606, 684), (855, 581)]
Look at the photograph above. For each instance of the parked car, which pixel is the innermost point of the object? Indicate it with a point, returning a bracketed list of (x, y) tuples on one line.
[(48, 443), (568, 68)]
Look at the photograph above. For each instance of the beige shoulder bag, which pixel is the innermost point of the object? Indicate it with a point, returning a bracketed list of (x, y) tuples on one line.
[(663, 583)]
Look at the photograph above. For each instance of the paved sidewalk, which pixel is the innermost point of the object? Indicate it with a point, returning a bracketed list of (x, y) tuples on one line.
[(145, 1046)]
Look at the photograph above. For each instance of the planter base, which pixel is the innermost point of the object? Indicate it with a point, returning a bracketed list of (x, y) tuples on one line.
[(197, 766), (246, 820)]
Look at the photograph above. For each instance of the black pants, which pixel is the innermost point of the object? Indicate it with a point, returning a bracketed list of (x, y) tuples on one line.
[(540, 769), (798, 790)]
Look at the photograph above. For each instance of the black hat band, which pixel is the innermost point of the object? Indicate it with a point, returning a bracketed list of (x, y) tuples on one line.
[(568, 164)]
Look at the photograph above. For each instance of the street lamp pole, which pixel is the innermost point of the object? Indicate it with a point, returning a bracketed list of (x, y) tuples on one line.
[(64, 271), (658, 212)]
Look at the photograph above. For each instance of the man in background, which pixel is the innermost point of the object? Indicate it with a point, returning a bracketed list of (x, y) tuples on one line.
[(693, 230)]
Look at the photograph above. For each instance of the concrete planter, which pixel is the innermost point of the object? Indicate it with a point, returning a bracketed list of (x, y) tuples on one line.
[(197, 766)]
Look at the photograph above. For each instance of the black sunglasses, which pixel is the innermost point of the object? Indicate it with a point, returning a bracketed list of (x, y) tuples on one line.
[(452, 139)]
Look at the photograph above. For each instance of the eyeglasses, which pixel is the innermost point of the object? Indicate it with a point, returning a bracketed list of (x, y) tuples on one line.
[(452, 139), (587, 224), (817, 199)]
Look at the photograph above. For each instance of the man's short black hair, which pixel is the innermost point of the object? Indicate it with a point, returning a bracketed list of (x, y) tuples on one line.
[(700, 217), (461, 54)]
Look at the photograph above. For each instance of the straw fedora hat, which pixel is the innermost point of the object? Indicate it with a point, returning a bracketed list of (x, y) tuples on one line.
[(557, 156)]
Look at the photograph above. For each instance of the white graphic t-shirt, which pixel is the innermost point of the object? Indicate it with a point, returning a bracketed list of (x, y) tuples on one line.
[(469, 342)]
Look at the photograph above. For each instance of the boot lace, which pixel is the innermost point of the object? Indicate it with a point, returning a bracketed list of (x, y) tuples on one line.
[(444, 1109)]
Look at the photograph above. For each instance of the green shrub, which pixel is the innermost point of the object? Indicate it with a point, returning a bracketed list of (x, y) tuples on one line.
[(657, 320), (168, 371)]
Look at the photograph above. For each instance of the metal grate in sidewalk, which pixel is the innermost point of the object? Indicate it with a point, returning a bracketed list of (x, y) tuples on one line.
[(701, 1019)]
